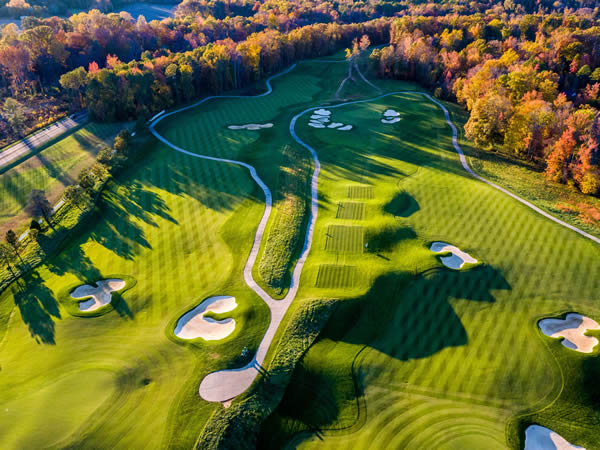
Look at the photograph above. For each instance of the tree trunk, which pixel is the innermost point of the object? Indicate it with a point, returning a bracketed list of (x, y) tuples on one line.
[(47, 219)]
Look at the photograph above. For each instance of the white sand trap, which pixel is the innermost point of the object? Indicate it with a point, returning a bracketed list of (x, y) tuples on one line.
[(572, 329), (391, 113), (335, 125), (250, 126), (458, 258), (319, 118), (394, 120), (345, 128), (542, 438), (316, 125), (322, 112), (193, 324), (101, 295)]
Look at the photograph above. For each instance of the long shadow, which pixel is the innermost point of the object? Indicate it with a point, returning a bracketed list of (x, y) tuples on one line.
[(402, 205), (386, 239), (38, 307), (402, 316), (73, 260), (53, 171)]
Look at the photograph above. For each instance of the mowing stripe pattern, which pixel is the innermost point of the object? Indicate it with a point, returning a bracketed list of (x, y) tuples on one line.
[(344, 239), (364, 192), (332, 276), (350, 211)]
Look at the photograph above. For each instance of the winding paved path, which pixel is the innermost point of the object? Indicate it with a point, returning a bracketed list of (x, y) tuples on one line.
[(225, 385)]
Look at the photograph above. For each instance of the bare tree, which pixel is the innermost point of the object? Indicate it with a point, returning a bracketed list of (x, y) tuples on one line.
[(38, 205)]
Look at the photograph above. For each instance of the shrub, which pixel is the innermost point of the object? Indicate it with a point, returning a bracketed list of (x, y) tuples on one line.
[(35, 225), (590, 183)]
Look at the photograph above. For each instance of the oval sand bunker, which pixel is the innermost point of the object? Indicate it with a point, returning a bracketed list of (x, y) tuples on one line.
[(193, 324), (101, 294), (458, 258), (542, 438), (572, 330)]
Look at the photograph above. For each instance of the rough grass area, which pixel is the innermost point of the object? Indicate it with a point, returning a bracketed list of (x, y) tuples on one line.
[(344, 239), (350, 211), (333, 276), (286, 231), (50, 170)]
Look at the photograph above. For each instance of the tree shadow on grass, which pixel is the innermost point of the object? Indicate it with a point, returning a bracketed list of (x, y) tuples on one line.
[(120, 209), (38, 306), (402, 316), (402, 205)]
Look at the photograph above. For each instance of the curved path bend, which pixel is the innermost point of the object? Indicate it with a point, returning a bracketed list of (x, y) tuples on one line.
[(224, 385)]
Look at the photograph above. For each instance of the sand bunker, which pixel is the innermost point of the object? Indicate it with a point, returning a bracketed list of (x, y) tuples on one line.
[(572, 330), (101, 295), (193, 324), (391, 116), (321, 116), (542, 438), (458, 258), (250, 126)]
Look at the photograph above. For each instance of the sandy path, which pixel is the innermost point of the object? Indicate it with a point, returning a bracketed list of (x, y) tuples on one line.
[(225, 385)]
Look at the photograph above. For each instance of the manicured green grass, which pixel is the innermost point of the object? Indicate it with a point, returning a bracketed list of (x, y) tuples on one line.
[(344, 239), (169, 225), (332, 276), (350, 211), (51, 170), (182, 227), (416, 355)]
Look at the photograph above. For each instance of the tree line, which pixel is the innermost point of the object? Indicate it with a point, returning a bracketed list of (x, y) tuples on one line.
[(531, 83)]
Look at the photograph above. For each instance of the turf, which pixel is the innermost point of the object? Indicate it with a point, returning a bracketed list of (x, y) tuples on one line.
[(418, 356), (414, 355), (182, 228), (51, 170)]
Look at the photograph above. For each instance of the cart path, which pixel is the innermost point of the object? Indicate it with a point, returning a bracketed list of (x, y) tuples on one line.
[(224, 385)]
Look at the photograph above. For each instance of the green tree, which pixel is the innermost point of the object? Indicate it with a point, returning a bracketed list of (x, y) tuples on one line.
[(86, 180), (13, 112), (13, 241), (75, 81), (6, 257), (76, 196)]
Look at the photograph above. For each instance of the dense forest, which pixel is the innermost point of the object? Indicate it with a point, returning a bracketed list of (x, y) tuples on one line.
[(527, 71)]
